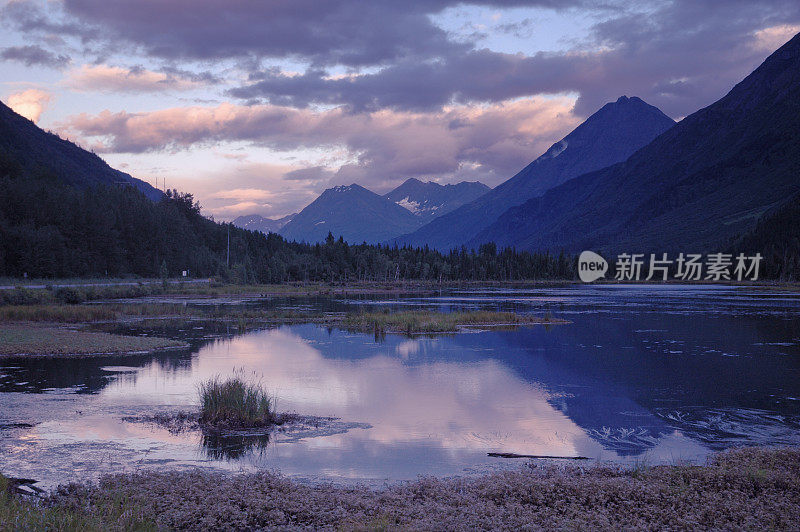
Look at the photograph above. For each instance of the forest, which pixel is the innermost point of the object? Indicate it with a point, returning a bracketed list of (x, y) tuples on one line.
[(49, 229)]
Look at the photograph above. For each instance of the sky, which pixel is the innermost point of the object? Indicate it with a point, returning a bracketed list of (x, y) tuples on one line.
[(257, 106)]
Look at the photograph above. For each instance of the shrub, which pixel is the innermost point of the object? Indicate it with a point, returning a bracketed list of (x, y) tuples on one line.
[(24, 296), (70, 295)]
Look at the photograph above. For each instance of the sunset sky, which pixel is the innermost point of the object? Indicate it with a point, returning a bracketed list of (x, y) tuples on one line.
[(257, 106)]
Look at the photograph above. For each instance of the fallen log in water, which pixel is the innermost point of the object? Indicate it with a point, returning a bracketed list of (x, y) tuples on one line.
[(515, 455)]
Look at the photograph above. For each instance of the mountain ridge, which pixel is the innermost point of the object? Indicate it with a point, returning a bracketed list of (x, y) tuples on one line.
[(430, 200), (608, 136), (352, 212), (701, 183), (360, 215), (256, 222)]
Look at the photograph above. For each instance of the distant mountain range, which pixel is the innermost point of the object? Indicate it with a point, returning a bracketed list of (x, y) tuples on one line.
[(33, 151), (431, 200), (255, 222), (609, 136), (360, 215), (698, 186), (353, 212)]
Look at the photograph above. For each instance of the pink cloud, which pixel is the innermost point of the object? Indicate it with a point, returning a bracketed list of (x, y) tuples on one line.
[(117, 79), (773, 37), (30, 103), (384, 146)]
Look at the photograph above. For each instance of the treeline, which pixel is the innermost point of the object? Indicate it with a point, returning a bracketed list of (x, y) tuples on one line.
[(777, 237), (52, 230)]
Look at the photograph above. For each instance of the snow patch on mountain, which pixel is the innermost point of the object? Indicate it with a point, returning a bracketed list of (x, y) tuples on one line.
[(557, 148), (412, 206)]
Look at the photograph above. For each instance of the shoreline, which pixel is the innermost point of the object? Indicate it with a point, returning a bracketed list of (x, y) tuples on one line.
[(742, 488), (87, 330)]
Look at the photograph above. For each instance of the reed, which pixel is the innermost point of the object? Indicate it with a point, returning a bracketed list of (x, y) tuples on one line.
[(233, 403)]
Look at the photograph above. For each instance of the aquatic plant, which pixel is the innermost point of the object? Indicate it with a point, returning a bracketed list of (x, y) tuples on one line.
[(234, 403)]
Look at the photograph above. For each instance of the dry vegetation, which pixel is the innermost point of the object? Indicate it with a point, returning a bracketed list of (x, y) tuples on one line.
[(35, 340), (21, 514), (744, 489), (421, 321)]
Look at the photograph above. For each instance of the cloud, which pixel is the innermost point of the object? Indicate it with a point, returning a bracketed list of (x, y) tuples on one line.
[(101, 78), (34, 55), (383, 147), (324, 33), (681, 56), (313, 174), (242, 194), (30, 103), (769, 39), (249, 188)]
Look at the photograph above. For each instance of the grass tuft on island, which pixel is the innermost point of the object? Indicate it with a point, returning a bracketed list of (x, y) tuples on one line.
[(741, 489), (234, 403), (425, 322)]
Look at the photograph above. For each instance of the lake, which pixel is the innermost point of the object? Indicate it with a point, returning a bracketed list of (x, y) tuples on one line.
[(656, 374)]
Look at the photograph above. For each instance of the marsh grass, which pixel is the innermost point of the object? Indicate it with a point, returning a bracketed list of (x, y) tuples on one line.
[(234, 403), (57, 313), (114, 513), (422, 321), (93, 313), (79, 294)]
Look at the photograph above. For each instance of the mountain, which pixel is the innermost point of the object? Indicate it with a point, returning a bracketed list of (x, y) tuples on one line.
[(696, 187), (26, 148), (254, 222), (609, 136), (353, 212), (425, 200), (430, 200)]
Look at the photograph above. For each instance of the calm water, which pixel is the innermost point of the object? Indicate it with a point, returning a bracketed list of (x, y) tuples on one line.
[(656, 373)]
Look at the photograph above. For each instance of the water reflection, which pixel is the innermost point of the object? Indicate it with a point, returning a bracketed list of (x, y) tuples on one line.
[(671, 373), (233, 446)]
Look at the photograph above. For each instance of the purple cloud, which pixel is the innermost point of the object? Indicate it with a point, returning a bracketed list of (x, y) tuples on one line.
[(34, 55), (323, 33), (678, 55), (681, 57)]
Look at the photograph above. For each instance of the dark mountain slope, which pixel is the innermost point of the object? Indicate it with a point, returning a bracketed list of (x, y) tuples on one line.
[(30, 150), (697, 186), (609, 136)]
